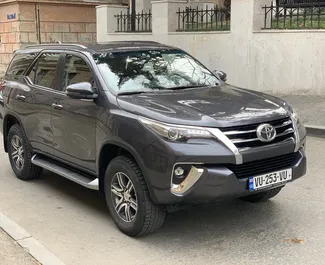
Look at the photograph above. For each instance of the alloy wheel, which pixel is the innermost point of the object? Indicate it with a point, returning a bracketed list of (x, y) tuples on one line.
[(124, 197), (17, 153)]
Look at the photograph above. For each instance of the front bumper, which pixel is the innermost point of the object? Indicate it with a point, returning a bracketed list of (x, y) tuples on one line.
[(218, 183), (221, 183), (218, 168)]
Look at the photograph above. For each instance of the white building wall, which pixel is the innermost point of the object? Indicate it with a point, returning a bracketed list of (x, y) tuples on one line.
[(285, 62)]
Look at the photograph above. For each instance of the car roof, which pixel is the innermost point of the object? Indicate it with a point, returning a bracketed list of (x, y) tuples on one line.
[(113, 46)]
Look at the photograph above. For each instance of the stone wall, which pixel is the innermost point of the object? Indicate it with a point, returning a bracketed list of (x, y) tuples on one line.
[(8, 34), (64, 22), (75, 24)]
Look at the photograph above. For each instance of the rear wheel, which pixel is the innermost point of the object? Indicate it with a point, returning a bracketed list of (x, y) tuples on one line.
[(128, 199), (262, 196), (20, 155)]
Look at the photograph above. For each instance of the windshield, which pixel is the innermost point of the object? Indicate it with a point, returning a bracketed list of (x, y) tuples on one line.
[(152, 70)]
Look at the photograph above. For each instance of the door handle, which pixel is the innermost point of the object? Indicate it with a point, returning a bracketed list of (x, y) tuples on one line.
[(57, 106), (20, 97)]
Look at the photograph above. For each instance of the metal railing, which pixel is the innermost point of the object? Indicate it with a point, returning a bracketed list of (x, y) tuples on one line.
[(139, 22), (299, 3), (205, 19), (295, 14)]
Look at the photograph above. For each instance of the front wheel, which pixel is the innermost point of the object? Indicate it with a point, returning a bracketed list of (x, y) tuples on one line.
[(262, 196), (128, 199)]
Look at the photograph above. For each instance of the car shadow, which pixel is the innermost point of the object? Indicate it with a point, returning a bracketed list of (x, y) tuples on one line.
[(213, 220), (72, 191)]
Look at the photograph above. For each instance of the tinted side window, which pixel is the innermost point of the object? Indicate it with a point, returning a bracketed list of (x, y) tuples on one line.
[(20, 63), (76, 70), (44, 70)]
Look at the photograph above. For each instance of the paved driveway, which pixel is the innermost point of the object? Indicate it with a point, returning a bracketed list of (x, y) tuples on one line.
[(74, 224)]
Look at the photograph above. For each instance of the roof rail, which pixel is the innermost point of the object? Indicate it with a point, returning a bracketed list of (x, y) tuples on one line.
[(134, 41), (54, 44)]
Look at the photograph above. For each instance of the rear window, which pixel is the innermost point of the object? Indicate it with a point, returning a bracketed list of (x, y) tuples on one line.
[(20, 63)]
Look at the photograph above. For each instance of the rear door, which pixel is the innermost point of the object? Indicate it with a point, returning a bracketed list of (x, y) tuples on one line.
[(33, 99), (14, 78), (74, 120)]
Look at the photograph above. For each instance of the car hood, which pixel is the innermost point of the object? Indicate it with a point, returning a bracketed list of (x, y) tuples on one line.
[(219, 106)]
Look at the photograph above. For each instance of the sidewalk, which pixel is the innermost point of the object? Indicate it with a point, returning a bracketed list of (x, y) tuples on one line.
[(13, 254), (17, 247)]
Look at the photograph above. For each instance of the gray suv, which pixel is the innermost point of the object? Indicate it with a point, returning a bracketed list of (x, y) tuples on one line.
[(148, 126)]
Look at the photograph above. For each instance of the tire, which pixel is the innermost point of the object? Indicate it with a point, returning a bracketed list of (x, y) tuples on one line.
[(262, 196), (148, 217), (18, 145)]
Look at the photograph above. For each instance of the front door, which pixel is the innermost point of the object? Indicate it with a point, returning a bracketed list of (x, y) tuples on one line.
[(74, 120)]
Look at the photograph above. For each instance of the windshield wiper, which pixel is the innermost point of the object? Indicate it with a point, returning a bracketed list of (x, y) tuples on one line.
[(185, 87), (152, 90), (158, 89), (131, 93)]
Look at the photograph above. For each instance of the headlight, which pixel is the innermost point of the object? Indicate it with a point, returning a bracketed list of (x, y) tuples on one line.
[(176, 133), (292, 112), (295, 116)]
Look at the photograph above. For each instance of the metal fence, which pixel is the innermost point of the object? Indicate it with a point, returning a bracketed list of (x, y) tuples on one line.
[(205, 19), (295, 14), (299, 3), (138, 22)]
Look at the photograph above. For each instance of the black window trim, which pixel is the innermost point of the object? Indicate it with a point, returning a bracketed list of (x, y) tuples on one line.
[(21, 52), (63, 52), (87, 61), (29, 81)]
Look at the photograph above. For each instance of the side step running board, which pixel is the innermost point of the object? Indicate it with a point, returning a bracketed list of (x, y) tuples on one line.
[(66, 173)]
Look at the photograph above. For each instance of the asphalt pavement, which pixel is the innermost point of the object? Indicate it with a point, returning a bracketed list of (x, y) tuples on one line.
[(74, 224)]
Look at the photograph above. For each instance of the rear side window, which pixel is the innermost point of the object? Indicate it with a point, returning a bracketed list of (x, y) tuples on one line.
[(20, 63), (44, 71)]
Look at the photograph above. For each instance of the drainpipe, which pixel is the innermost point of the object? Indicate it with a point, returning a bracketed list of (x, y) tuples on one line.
[(133, 15), (38, 23)]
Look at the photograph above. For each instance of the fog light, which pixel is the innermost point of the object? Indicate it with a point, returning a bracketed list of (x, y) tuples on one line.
[(179, 172), (185, 184)]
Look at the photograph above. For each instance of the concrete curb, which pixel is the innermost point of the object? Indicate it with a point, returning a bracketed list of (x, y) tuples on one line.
[(315, 130), (27, 242)]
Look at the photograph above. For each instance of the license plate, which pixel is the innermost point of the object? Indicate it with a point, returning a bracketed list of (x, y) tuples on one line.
[(269, 180)]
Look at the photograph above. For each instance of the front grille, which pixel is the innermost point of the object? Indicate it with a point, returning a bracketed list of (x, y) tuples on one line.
[(264, 166), (245, 137)]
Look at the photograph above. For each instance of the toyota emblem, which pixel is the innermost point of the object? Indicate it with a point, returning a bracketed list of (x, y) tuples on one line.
[(266, 133)]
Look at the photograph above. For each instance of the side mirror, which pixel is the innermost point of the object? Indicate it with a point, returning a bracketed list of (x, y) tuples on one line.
[(221, 75), (81, 90)]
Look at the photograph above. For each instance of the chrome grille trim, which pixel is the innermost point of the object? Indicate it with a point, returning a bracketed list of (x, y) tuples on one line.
[(238, 132), (286, 123), (247, 137), (287, 131), (236, 141), (292, 139), (228, 143), (296, 133)]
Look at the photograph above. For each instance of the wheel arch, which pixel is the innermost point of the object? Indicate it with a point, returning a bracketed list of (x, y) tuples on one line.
[(111, 149), (9, 120)]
